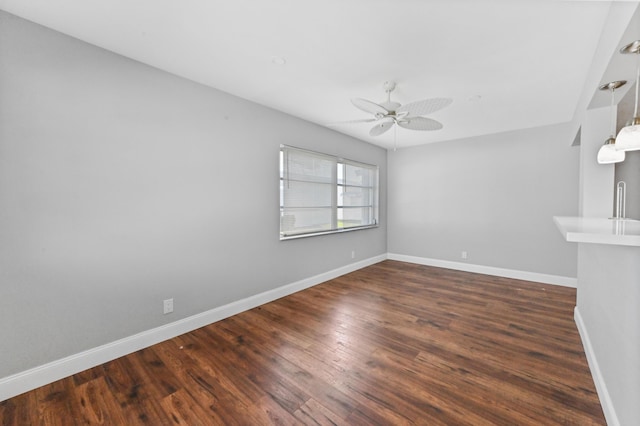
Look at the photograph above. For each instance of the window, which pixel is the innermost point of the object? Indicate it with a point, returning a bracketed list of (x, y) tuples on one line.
[(321, 194)]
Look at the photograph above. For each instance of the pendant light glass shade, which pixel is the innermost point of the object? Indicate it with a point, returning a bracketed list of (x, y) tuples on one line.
[(629, 137), (608, 153)]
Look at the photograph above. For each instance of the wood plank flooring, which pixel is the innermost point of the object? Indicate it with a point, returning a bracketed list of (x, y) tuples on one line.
[(394, 343)]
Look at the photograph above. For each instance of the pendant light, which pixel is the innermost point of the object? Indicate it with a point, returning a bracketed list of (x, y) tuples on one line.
[(608, 154), (629, 137)]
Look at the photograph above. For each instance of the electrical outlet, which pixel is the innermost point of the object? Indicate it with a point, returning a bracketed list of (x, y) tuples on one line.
[(464, 255), (168, 306), (353, 254)]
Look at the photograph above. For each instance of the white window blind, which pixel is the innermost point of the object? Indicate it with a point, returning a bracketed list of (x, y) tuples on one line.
[(321, 193)]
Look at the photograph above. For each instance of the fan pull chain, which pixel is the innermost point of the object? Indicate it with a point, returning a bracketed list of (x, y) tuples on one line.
[(395, 137)]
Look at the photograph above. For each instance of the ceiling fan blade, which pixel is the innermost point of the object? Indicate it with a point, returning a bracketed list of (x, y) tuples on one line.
[(365, 120), (368, 106), (425, 106), (379, 129), (420, 123)]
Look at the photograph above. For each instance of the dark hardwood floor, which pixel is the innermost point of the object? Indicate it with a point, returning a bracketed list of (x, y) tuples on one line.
[(394, 343)]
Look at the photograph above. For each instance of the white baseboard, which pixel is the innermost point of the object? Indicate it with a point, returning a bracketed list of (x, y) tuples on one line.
[(16, 384), (488, 270), (598, 380)]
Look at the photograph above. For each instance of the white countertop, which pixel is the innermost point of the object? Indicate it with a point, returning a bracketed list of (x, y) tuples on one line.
[(599, 231)]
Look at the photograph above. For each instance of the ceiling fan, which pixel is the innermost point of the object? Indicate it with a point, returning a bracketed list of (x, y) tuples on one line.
[(407, 116)]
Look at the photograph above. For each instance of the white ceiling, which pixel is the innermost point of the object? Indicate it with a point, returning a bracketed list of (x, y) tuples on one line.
[(507, 64)]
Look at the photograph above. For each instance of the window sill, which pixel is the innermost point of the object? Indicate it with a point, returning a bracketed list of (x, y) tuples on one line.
[(333, 231)]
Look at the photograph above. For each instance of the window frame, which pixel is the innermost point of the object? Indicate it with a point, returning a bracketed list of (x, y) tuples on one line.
[(337, 162)]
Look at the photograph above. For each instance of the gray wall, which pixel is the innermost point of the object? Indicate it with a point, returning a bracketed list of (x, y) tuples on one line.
[(595, 192), (492, 196), (121, 186)]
